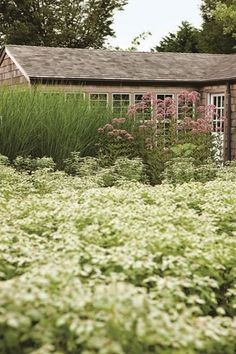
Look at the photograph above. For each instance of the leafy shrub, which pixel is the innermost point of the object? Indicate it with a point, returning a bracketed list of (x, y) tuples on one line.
[(123, 170), (130, 270), (184, 170), (4, 160), (132, 170), (169, 130), (206, 172), (81, 166), (29, 164), (179, 170)]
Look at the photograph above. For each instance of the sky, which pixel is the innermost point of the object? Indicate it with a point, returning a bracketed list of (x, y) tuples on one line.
[(157, 16)]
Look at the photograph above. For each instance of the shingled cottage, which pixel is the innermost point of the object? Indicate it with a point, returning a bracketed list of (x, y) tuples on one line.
[(121, 78)]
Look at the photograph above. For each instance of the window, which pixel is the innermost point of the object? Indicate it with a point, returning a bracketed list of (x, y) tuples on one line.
[(185, 106), (74, 96), (50, 94), (98, 99), (145, 110), (218, 100), (165, 95), (120, 103)]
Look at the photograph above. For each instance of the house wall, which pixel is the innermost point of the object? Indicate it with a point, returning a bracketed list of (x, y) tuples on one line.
[(10, 75), (110, 89), (205, 92), (132, 90), (233, 123)]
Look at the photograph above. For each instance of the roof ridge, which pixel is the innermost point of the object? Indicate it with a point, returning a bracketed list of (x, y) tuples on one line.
[(122, 50)]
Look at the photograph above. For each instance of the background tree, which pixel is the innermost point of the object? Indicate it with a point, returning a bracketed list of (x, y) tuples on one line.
[(226, 15), (64, 23), (184, 40), (217, 35), (213, 37)]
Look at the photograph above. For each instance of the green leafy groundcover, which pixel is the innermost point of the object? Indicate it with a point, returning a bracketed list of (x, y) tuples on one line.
[(132, 269)]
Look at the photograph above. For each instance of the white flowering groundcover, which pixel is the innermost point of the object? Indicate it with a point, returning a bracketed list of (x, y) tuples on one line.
[(132, 269)]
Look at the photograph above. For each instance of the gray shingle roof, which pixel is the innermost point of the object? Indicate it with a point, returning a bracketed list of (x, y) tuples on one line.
[(67, 63)]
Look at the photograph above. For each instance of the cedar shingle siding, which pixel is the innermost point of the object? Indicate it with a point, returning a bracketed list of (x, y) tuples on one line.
[(9, 73), (102, 71)]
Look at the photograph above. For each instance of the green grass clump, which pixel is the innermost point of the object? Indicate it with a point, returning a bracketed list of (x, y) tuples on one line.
[(39, 124)]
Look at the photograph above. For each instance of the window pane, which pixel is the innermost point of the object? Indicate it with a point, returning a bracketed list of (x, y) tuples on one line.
[(138, 98), (98, 99), (120, 103), (74, 96), (165, 95), (98, 96), (218, 101)]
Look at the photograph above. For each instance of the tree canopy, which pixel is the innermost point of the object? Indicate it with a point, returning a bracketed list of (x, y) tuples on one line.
[(226, 15), (217, 34), (213, 38), (64, 23), (184, 40)]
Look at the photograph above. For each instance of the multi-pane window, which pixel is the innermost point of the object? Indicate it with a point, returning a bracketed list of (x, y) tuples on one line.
[(185, 107), (218, 100), (74, 96), (145, 106), (120, 103), (98, 99), (50, 94), (165, 95)]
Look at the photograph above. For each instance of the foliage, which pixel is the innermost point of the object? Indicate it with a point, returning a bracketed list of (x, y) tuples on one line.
[(185, 40), (183, 169), (158, 130), (116, 141), (123, 170), (77, 165), (212, 38), (30, 164), (216, 35), (4, 160), (131, 269), (40, 123), (76, 24), (226, 14)]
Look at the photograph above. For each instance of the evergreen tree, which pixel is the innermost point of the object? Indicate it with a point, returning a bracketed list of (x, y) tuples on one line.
[(64, 23), (184, 40)]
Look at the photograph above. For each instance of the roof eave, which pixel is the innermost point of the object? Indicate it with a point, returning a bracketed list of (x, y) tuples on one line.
[(24, 73), (128, 80), (2, 54)]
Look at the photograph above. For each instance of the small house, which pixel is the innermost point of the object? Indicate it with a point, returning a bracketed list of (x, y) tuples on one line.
[(120, 78)]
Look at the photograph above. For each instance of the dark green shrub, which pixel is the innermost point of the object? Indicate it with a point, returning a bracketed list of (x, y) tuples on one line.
[(81, 166), (29, 164)]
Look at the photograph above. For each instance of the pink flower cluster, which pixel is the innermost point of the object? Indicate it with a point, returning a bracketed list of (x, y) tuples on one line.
[(118, 120), (112, 132), (198, 126), (189, 97)]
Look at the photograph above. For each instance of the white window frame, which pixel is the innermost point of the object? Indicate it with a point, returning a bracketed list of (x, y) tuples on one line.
[(120, 93), (165, 95), (75, 93), (177, 108), (143, 113), (219, 109), (98, 93)]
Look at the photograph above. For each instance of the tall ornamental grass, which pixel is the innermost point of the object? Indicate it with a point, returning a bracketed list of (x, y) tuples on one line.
[(48, 124)]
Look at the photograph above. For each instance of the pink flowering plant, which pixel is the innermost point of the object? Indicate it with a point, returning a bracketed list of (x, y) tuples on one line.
[(155, 126)]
